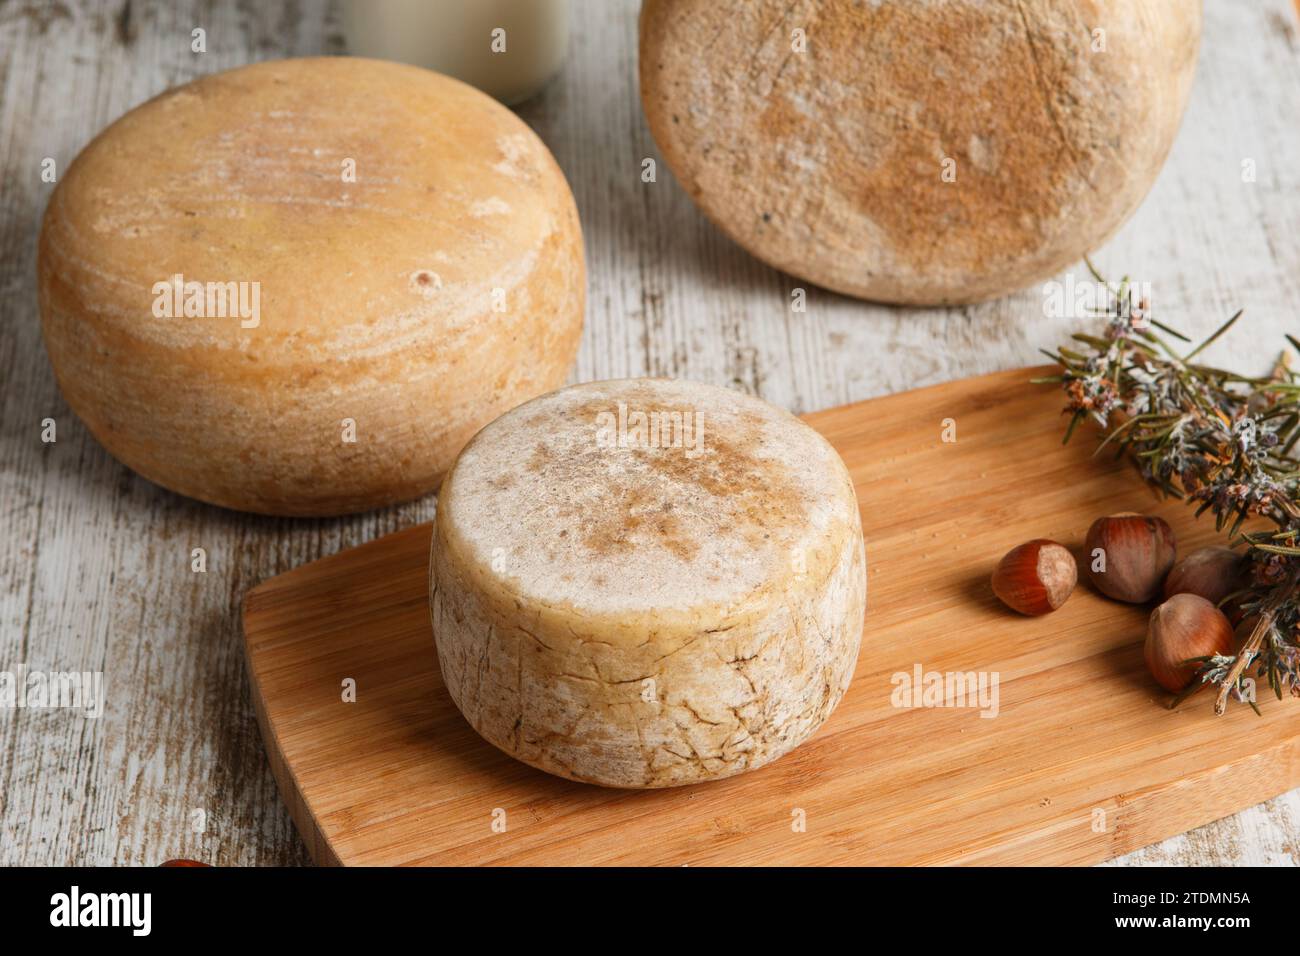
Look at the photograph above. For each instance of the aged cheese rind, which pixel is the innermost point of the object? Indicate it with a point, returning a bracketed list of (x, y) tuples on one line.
[(917, 151), (438, 286), (633, 617)]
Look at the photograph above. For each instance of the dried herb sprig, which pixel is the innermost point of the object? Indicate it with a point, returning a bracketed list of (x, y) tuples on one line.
[(1223, 441)]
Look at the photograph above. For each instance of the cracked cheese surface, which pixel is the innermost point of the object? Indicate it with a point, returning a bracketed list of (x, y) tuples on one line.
[(643, 608)]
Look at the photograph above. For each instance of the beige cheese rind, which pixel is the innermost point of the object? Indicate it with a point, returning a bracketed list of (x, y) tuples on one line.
[(716, 704), (917, 151), (439, 289), (585, 685)]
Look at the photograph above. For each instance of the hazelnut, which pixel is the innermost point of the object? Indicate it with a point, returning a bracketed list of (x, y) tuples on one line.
[(1212, 573), (1184, 628), (1035, 577), (1128, 556)]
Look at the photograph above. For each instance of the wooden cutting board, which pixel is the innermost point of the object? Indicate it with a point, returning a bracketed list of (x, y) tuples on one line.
[(1081, 762)]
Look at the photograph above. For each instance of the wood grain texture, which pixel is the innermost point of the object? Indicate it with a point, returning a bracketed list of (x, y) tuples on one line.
[(95, 562), (1074, 760)]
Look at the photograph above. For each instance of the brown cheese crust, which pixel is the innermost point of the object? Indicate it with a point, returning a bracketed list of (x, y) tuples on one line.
[(650, 614), (419, 268), (828, 163)]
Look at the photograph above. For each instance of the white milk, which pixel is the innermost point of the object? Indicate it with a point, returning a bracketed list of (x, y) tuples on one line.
[(507, 48)]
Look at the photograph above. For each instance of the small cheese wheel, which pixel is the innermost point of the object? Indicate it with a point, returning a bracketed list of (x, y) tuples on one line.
[(647, 583), (917, 151), (374, 261)]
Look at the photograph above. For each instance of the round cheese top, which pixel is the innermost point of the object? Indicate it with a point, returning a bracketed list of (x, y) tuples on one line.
[(674, 499), (377, 207), (917, 151)]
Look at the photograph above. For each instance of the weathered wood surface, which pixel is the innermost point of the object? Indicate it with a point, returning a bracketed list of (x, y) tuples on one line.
[(95, 562)]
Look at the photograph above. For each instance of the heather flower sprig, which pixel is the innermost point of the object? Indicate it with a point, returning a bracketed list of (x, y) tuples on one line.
[(1222, 441)]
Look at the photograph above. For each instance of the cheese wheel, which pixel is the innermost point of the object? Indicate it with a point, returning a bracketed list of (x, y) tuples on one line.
[(374, 261), (917, 151), (647, 583)]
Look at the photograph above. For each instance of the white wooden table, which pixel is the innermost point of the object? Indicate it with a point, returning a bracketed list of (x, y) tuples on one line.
[(95, 562)]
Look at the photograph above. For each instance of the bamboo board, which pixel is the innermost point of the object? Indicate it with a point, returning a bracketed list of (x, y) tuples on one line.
[(1081, 762)]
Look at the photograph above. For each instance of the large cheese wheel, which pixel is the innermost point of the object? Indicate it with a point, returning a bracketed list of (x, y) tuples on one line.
[(410, 262), (646, 583), (917, 151)]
